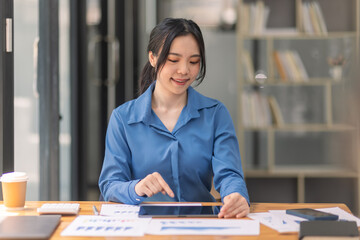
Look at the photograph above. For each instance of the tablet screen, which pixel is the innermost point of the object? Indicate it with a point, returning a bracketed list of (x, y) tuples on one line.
[(179, 211)]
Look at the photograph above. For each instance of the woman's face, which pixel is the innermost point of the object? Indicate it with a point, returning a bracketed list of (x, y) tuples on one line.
[(181, 67)]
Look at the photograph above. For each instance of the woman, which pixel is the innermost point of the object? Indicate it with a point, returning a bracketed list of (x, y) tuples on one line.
[(171, 139)]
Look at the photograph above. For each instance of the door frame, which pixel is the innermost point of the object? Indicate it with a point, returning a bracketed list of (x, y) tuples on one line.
[(6, 86)]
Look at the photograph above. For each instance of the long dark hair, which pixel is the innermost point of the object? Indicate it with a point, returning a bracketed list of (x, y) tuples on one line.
[(162, 36)]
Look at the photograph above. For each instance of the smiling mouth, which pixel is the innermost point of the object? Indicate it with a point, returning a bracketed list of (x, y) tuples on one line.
[(180, 81)]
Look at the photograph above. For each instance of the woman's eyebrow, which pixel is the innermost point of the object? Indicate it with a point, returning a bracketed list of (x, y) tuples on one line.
[(179, 55)]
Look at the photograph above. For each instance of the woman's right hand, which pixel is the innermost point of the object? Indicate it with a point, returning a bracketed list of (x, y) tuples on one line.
[(153, 184)]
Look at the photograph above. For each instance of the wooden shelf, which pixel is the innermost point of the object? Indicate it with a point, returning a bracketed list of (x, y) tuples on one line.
[(298, 35), (304, 127), (303, 171), (311, 82)]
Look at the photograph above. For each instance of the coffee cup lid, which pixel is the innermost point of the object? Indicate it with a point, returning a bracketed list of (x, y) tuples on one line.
[(14, 177)]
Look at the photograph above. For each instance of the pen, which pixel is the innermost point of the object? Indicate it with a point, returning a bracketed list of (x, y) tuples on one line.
[(96, 212)]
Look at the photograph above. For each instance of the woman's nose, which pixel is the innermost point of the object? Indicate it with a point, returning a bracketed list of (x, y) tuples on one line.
[(183, 68)]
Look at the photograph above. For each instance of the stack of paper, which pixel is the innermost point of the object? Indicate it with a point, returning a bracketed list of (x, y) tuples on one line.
[(122, 220)]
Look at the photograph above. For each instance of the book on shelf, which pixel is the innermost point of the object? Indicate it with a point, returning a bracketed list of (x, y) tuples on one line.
[(263, 111), (300, 65), (280, 66), (285, 62), (248, 67), (313, 19), (290, 66), (245, 105), (320, 17), (275, 111), (254, 17), (249, 112), (293, 68), (255, 110), (306, 23)]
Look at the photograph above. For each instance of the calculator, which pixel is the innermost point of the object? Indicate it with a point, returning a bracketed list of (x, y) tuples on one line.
[(59, 208)]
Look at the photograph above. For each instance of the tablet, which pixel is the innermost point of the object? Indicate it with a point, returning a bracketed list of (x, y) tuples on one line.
[(176, 211)]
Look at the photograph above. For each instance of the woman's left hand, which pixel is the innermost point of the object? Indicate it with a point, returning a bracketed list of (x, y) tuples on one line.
[(235, 205)]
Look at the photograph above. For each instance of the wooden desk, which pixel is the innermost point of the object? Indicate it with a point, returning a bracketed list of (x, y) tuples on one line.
[(266, 233)]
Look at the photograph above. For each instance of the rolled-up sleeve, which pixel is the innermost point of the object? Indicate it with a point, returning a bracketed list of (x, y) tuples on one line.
[(226, 162), (115, 179)]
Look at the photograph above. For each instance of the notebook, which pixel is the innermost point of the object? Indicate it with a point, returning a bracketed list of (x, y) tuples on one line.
[(29, 227)]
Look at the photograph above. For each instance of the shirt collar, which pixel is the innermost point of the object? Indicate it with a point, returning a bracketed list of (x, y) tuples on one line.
[(142, 105)]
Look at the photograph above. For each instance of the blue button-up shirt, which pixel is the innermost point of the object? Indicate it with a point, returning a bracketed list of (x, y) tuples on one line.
[(202, 145)]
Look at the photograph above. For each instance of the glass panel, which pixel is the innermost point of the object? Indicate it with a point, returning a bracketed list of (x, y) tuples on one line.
[(256, 153), (318, 191), (26, 104), (26, 101), (282, 190), (65, 98), (220, 81), (299, 104), (324, 150), (94, 92)]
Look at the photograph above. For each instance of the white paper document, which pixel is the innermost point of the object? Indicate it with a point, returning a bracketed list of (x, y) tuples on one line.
[(103, 226), (203, 227), (120, 210), (284, 223)]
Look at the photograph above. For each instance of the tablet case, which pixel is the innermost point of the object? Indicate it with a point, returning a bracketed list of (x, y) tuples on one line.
[(311, 230), (312, 214), (28, 227)]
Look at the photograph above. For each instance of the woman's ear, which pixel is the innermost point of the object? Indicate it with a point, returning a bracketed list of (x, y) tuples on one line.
[(152, 59)]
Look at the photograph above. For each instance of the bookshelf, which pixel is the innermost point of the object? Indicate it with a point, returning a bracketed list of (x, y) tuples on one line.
[(297, 130)]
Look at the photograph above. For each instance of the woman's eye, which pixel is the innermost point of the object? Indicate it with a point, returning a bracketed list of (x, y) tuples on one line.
[(196, 62), (171, 60)]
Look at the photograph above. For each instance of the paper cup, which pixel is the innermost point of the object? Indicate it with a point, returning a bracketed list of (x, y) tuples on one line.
[(14, 190)]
